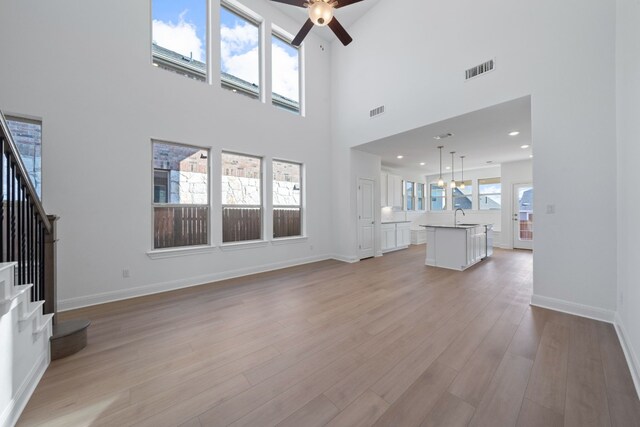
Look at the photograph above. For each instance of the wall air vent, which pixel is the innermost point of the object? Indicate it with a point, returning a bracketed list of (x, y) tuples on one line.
[(376, 112), (479, 70)]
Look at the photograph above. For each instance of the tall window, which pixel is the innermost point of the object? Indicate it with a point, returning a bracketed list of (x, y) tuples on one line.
[(27, 135), (239, 53), (438, 198), (462, 197), (285, 74), (490, 191), (180, 195), (241, 198), (179, 41), (287, 199), (409, 202), (420, 197)]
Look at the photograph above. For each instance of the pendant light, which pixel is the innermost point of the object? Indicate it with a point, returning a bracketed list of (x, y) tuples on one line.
[(461, 186), (440, 180), (453, 181)]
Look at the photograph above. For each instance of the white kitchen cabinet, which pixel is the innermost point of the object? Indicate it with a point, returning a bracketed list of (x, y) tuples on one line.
[(388, 237), (456, 248), (395, 236), (384, 189), (390, 190), (403, 234)]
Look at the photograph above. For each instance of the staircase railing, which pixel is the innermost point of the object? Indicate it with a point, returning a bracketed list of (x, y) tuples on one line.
[(27, 233)]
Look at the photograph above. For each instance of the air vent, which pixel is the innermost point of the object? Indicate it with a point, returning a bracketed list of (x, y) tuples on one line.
[(443, 136), (376, 111), (478, 70)]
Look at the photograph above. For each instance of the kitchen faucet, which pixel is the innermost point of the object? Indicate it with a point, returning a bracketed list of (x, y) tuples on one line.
[(455, 214)]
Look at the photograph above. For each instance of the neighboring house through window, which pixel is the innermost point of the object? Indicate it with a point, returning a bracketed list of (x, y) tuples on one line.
[(27, 135), (438, 197), (180, 195), (490, 193), (462, 197)]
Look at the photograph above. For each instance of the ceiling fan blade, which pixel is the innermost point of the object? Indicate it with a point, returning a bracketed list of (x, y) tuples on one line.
[(302, 33), (342, 3), (299, 3), (339, 31)]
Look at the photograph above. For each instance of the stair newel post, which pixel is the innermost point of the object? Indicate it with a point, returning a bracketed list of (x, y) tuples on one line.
[(50, 262)]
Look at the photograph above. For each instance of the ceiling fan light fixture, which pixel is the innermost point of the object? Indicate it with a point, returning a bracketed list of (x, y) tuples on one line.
[(320, 12)]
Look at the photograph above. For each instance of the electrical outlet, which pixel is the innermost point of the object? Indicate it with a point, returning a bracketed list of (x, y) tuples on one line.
[(125, 274)]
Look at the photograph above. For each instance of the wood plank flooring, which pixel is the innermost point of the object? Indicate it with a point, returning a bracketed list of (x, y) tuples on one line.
[(384, 342)]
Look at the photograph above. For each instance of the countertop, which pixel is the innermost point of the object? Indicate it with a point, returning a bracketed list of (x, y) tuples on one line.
[(461, 226), (394, 222)]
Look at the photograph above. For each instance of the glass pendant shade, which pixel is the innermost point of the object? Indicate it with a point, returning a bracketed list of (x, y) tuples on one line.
[(453, 184), (441, 182), (320, 13)]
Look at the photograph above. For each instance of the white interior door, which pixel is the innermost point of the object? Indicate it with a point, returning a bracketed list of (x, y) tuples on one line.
[(522, 216), (366, 218)]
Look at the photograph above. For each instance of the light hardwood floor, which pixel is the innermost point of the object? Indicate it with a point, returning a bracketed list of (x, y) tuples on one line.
[(385, 342)]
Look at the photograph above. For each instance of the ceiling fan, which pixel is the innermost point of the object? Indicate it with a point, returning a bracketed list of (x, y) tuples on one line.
[(321, 14)]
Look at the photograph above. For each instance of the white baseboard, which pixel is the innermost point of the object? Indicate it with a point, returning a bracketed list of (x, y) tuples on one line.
[(105, 297), (573, 308), (342, 258), (12, 412), (629, 353)]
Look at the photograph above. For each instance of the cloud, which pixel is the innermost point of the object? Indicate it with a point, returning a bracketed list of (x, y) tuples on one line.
[(181, 37), (239, 51), (285, 78)]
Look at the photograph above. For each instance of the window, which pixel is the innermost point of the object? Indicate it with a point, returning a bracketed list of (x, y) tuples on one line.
[(438, 198), (239, 53), (179, 37), (287, 199), (241, 197), (27, 135), (180, 195), (420, 197), (285, 74), (462, 197), (409, 202), (490, 191)]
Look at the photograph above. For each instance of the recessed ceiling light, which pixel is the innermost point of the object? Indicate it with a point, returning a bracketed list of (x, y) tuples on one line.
[(448, 167), (400, 157), (422, 163), (514, 133), (524, 146)]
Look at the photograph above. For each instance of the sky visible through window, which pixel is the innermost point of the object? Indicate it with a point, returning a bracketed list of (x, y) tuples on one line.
[(181, 25)]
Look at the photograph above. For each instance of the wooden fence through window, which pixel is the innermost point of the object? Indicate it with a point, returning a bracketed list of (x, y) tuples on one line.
[(180, 226), (241, 224), (287, 222)]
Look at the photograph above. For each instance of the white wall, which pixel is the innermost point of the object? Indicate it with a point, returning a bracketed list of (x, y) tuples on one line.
[(542, 49), (628, 110), (85, 69)]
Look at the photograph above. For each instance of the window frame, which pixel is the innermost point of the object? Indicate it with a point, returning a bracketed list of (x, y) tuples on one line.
[(420, 200), (443, 197), (288, 38), (406, 198), (164, 62), (34, 121), (300, 206), (468, 184), (263, 210), (480, 195), (155, 205), (253, 18)]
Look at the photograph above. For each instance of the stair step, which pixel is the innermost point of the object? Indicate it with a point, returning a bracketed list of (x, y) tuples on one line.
[(68, 338), (43, 323), (34, 307)]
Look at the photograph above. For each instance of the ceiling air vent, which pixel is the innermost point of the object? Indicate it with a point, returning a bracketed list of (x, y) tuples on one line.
[(376, 112), (478, 70)]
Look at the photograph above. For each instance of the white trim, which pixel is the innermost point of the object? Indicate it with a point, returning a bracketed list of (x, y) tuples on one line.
[(288, 240), (12, 412), (629, 354), (348, 259), (569, 307), (249, 244), (178, 252), (89, 300)]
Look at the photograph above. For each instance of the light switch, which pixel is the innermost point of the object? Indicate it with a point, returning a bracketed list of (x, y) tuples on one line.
[(551, 209)]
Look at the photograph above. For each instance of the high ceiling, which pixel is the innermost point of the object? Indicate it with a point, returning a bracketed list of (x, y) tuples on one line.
[(347, 16), (482, 136)]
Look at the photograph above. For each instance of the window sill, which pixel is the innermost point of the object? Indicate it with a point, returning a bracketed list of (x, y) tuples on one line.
[(234, 246), (179, 252), (289, 240)]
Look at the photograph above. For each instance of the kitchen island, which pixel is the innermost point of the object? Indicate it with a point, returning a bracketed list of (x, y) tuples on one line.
[(458, 247)]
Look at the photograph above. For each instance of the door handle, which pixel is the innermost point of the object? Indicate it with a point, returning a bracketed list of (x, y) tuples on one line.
[(373, 222)]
